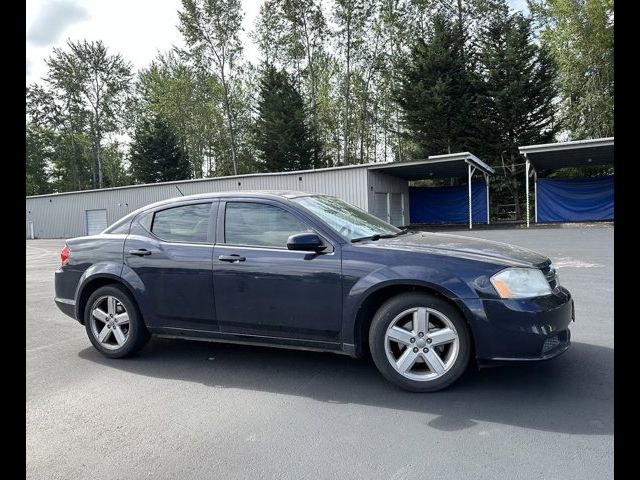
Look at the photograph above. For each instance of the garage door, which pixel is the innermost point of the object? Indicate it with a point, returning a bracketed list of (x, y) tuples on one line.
[(380, 205), (397, 210), (96, 221)]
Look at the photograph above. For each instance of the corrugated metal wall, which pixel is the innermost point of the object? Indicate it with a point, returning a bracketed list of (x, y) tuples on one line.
[(388, 184), (64, 215)]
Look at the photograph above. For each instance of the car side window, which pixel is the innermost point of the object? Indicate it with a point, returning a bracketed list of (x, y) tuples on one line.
[(188, 223), (256, 224), (146, 220)]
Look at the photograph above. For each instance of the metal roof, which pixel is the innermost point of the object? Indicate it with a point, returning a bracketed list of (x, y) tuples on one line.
[(436, 166), (579, 153), (209, 179)]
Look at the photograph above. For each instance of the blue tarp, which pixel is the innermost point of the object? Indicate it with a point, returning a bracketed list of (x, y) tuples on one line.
[(575, 199), (447, 204)]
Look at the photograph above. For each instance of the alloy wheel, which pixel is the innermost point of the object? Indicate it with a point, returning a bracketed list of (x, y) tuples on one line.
[(421, 344), (109, 322)]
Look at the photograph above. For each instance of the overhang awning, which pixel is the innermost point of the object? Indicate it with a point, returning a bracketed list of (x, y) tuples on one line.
[(436, 166), (552, 156), (580, 153), (451, 165)]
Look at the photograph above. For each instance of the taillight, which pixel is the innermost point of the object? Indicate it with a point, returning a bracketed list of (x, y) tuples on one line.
[(64, 255)]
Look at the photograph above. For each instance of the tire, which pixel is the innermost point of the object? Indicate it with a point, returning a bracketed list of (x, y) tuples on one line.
[(394, 337), (122, 336)]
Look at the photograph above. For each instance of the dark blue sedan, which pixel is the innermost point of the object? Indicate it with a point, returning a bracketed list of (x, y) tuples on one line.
[(309, 271)]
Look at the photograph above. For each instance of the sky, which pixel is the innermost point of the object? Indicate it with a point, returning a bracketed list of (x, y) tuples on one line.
[(137, 29)]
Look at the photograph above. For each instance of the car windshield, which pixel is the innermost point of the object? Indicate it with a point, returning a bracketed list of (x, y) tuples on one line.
[(347, 220)]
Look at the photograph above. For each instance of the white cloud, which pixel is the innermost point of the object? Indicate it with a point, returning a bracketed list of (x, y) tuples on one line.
[(137, 29), (53, 19)]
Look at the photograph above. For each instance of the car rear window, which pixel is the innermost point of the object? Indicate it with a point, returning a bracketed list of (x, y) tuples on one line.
[(187, 223)]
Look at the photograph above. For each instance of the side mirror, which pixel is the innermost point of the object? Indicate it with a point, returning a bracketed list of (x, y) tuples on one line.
[(308, 242)]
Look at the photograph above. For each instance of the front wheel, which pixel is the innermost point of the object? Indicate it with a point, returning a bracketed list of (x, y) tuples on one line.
[(113, 322), (420, 342)]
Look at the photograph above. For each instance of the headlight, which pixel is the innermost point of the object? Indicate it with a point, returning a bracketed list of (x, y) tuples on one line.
[(520, 283)]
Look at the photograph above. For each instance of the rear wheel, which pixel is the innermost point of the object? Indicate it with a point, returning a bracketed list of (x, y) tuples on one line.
[(420, 342), (113, 322)]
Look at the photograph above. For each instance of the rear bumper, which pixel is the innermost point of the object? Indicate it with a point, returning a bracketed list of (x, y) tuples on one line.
[(524, 331), (65, 282), (66, 306)]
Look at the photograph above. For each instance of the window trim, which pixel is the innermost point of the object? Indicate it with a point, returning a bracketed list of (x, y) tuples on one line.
[(222, 213), (213, 206)]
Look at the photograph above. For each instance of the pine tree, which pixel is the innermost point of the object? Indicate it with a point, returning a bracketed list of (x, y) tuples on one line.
[(156, 154), (436, 93), (519, 95), (281, 137)]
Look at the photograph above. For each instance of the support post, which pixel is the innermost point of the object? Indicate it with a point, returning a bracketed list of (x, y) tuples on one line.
[(388, 207), (535, 195), (486, 179), (471, 170), (527, 166)]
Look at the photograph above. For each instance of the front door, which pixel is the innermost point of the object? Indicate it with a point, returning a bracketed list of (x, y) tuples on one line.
[(171, 250), (261, 287)]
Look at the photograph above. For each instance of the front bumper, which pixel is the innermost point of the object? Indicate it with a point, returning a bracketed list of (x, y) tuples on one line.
[(521, 331)]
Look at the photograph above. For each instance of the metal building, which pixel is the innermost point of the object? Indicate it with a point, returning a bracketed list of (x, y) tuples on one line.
[(379, 188)]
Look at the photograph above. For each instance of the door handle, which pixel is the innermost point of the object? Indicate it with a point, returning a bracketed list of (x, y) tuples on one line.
[(233, 258), (140, 253)]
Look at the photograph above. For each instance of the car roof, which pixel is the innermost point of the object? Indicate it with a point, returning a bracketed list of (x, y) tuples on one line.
[(286, 194)]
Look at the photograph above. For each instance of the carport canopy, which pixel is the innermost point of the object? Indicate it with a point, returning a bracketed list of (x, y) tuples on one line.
[(553, 156), (442, 166)]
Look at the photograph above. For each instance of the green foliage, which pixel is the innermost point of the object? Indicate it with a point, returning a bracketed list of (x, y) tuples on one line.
[(579, 35), (436, 92), (115, 172), (37, 160), (156, 153), (211, 30), (282, 138), (338, 82), (93, 87), (518, 99), (296, 32), (188, 99), (57, 142)]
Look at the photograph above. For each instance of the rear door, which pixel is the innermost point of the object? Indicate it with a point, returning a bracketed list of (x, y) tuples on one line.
[(171, 251)]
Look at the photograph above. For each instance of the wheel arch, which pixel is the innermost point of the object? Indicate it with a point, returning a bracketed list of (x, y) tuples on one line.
[(375, 298), (91, 285)]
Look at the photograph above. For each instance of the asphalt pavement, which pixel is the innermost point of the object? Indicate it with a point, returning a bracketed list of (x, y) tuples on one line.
[(182, 410)]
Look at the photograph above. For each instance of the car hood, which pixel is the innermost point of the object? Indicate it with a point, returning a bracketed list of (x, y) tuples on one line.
[(457, 245)]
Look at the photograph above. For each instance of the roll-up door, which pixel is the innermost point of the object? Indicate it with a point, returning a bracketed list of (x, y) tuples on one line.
[(380, 206), (96, 221), (397, 217)]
